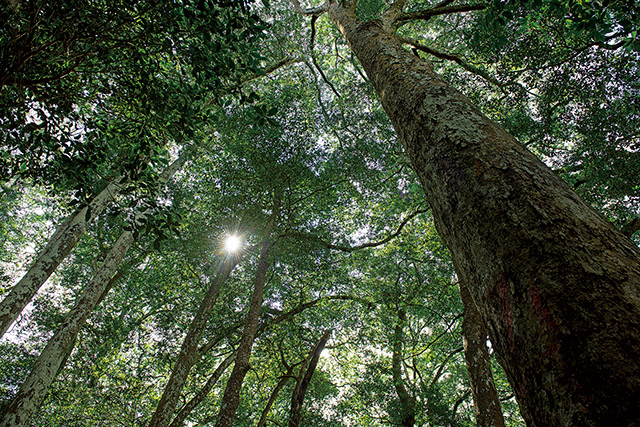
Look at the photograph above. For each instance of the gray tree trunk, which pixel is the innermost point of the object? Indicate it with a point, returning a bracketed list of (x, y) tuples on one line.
[(231, 397), (486, 402), (407, 402), (189, 349), (556, 284), (60, 244), (34, 390)]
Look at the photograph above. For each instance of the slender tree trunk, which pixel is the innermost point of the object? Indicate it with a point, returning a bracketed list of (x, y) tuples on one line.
[(407, 403), (189, 351), (306, 372), (184, 412), (474, 335), (274, 395), (33, 391), (556, 284), (231, 398), (60, 244)]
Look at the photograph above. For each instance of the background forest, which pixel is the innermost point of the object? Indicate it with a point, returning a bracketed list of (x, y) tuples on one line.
[(138, 136)]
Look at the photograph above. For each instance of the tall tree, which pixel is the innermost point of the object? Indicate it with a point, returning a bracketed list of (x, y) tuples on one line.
[(517, 233)]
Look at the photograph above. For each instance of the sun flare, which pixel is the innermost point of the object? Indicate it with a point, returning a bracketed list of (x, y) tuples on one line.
[(232, 243)]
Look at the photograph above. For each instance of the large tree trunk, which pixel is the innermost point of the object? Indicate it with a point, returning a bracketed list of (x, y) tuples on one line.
[(474, 335), (556, 284), (60, 244), (231, 397), (407, 402), (306, 373), (189, 351), (33, 391)]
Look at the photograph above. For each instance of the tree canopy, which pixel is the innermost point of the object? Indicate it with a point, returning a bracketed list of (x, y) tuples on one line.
[(137, 136)]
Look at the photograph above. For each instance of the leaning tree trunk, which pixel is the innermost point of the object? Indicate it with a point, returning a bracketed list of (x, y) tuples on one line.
[(556, 284), (60, 244), (407, 402), (34, 390), (189, 351), (306, 373), (231, 397), (474, 335)]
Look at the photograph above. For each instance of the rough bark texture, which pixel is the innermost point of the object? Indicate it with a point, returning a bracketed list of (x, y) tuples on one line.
[(184, 412), (189, 351), (306, 373), (60, 244), (556, 284), (474, 335), (407, 403), (231, 398), (34, 389)]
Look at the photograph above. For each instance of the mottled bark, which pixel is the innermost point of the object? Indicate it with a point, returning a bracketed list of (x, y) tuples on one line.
[(196, 400), (407, 403), (58, 247), (486, 402), (556, 284), (231, 397), (34, 389), (306, 373), (189, 351)]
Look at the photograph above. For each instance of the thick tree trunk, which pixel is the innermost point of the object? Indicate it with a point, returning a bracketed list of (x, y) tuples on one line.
[(556, 284), (189, 351), (34, 389), (60, 244), (184, 412), (474, 335), (407, 403), (306, 373), (231, 397)]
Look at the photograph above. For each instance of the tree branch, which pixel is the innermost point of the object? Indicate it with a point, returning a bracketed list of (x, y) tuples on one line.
[(350, 249), (319, 10), (425, 15), (449, 57)]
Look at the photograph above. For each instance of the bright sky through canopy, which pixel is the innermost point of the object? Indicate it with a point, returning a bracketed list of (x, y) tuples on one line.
[(232, 243)]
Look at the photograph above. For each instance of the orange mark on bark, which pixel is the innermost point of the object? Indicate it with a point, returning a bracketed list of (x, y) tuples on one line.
[(549, 321)]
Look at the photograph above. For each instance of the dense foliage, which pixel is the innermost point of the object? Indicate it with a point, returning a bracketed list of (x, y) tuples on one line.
[(283, 140)]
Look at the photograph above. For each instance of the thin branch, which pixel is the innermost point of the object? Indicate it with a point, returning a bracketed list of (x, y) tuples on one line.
[(444, 363), (319, 10), (449, 57), (350, 249), (425, 15), (459, 401)]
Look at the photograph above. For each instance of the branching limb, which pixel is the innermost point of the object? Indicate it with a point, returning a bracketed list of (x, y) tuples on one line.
[(425, 15), (317, 11), (350, 249), (449, 57)]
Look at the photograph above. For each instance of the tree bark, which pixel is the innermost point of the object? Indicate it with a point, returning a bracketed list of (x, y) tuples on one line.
[(189, 351), (178, 421), (556, 284), (34, 390), (60, 244), (407, 403), (231, 397), (486, 402), (306, 372)]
